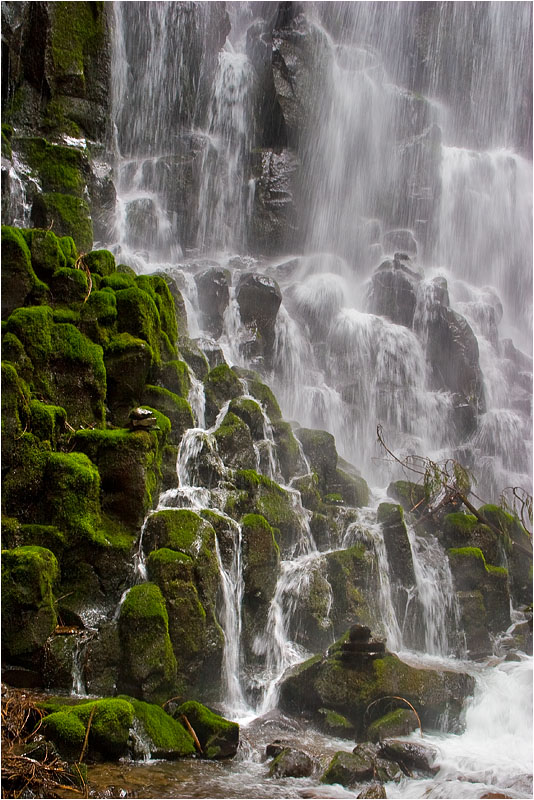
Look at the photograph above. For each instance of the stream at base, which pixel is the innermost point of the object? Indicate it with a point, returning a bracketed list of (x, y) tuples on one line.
[(492, 757)]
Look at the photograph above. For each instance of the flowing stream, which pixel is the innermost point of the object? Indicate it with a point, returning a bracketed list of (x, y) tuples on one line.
[(394, 161)]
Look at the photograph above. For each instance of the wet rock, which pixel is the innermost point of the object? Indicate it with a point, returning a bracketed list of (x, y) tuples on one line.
[(274, 220), (213, 296), (326, 682), (410, 755), (349, 769), (375, 790), (353, 576), (452, 351), (259, 298), (275, 748), (291, 763), (400, 722), (234, 443), (320, 448), (393, 293), (473, 622), (399, 556), (218, 737), (142, 418)]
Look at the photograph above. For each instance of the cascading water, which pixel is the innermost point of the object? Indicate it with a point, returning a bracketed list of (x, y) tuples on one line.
[(393, 168)]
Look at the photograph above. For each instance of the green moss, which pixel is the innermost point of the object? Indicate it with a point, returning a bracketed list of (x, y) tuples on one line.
[(73, 498), (15, 405), (220, 384), (29, 574), (218, 737), (174, 407), (180, 529), (77, 32), (138, 315), (148, 664), (262, 393), (48, 536), (69, 250), (492, 570), (101, 262), (459, 522), (66, 730), (47, 251), (66, 314), (7, 133), (334, 720), (20, 283), (69, 287), (156, 286), (389, 514), (118, 281), (251, 414), (59, 168), (70, 215), (167, 734), (333, 497), (56, 118), (287, 448), (174, 375), (47, 422), (467, 552), (23, 486)]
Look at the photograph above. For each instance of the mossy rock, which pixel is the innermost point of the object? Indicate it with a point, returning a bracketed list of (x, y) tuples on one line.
[(49, 252), (59, 168), (220, 385), (70, 216), (218, 737), (250, 412), (128, 361), (68, 287), (148, 664), (336, 724), (234, 443), (111, 721), (261, 392), (167, 736), (98, 316), (29, 575), (176, 408), (72, 500), (465, 530), (261, 559), (19, 281), (119, 280), (349, 769), (329, 683), (100, 262), (186, 532), (23, 484), (68, 369), (320, 449), (194, 357), (267, 498), (353, 489), (48, 422), (129, 463), (409, 495), (474, 623), (468, 567), (138, 315), (398, 549), (353, 576), (156, 286), (309, 493), (287, 449), (16, 413), (174, 376), (518, 545), (400, 722)]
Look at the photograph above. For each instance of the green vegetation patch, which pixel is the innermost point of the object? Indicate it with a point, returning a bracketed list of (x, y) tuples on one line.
[(168, 736)]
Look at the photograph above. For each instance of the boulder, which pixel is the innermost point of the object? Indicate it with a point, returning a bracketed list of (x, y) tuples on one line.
[(410, 756), (213, 296), (393, 292), (292, 763), (218, 737), (259, 298), (273, 223), (234, 443)]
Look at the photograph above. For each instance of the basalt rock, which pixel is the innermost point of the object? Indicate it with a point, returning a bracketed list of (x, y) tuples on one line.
[(213, 296), (259, 298)]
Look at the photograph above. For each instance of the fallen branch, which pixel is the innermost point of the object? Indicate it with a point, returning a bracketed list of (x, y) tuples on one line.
[(192, 732), (89, 721)]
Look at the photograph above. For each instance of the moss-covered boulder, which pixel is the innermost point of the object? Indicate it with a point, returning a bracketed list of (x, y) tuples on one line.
[(19, 280), (29, 575), (234, 443), (68, 369), (399, 722), (320, 449), (148, 663), (220, 385), (100, 262), (175, 408), (69, 214), (218, 737), (353, 489), (260, 495), (353, 576), (261, 558), (459, 530), (128, 360), (167, 737), (174, 376), (329, 683), (292, 763), (519, 547), (250, 412), (195, 635), (287, 449), (128, 465)]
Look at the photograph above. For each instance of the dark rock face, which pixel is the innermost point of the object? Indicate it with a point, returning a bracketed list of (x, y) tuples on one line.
[(259, 299), (393, 292), (291, 763), (410, 755), (213, 296), (274, 222), (452, 351)]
